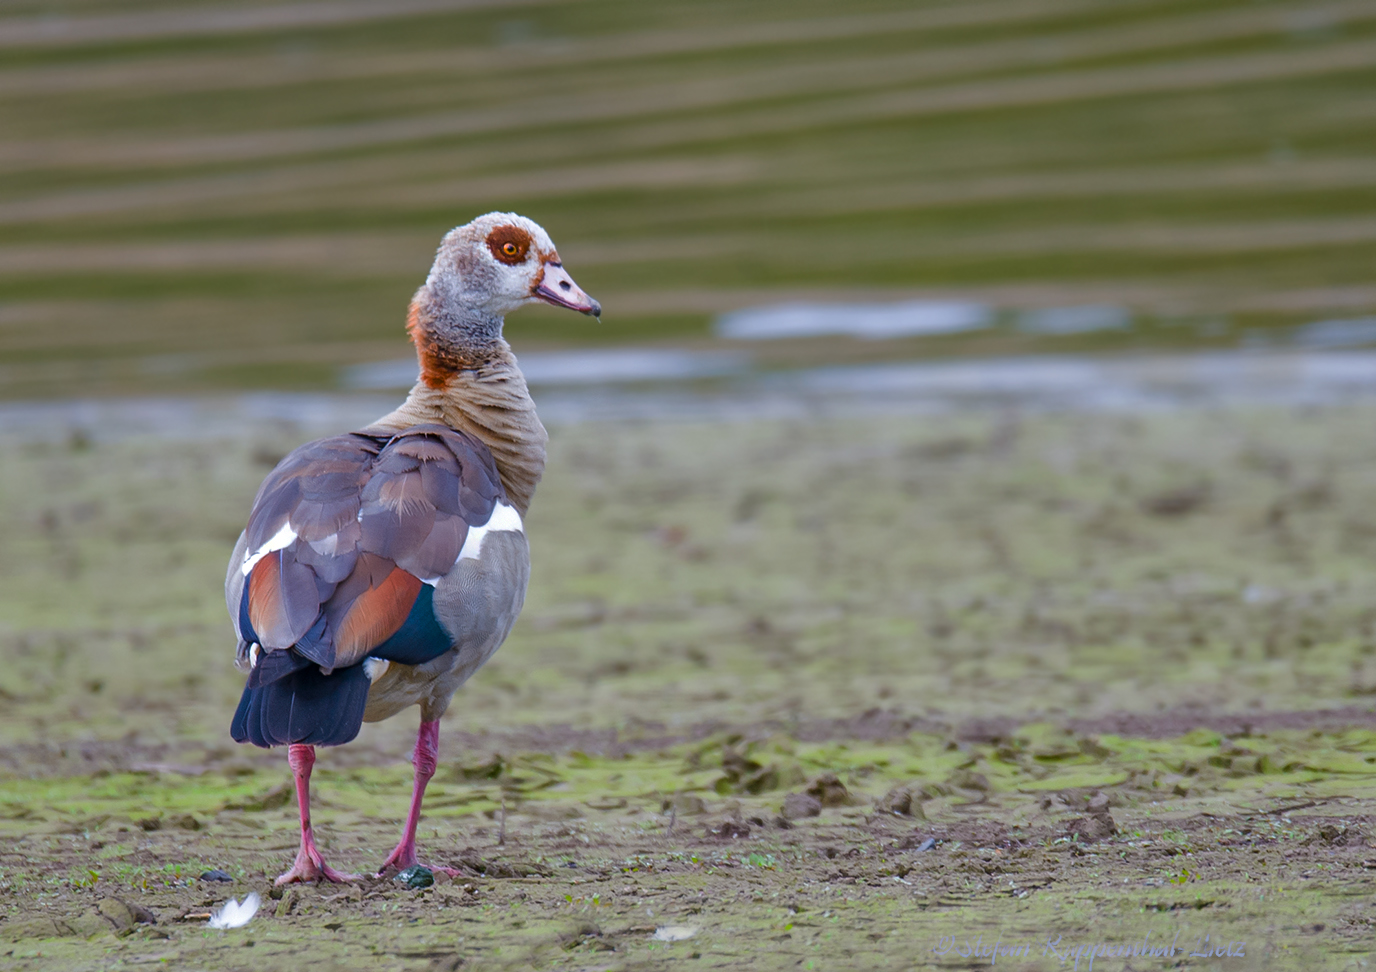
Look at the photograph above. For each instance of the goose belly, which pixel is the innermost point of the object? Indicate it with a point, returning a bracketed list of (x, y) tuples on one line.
[(476, 604)]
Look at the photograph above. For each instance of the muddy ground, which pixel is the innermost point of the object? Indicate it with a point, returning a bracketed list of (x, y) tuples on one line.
[(943, 691)]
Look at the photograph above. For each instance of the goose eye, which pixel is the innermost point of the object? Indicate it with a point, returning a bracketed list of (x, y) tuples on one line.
[(509, 245)]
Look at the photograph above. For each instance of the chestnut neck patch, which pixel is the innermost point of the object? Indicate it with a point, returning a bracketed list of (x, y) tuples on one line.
[(439, 360), (509, 244)]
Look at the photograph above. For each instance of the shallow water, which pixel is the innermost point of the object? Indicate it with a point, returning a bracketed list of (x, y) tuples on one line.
[(866, 321), (654, 386)]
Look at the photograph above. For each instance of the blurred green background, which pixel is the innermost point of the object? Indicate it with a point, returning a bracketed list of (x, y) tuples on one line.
[(230, 195)]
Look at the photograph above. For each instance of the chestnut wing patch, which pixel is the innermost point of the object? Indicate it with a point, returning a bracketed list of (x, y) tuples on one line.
[(282, 599), (364, 617), (347, 532)]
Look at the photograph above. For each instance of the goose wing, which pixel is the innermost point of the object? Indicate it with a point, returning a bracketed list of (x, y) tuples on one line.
[(345, 540)]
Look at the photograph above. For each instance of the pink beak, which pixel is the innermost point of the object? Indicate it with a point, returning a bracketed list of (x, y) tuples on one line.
[(557, 288)]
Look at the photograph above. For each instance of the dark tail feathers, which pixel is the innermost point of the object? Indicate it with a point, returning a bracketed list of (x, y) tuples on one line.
[(303, 707)]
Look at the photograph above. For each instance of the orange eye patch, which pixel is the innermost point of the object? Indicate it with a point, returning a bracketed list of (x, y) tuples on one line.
[(509, 244)]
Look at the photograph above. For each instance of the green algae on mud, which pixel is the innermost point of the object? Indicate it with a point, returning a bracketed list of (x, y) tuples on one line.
[(590, 868), (999, 616)]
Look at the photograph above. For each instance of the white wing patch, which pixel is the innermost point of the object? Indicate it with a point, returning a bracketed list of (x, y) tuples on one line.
[(503, 518), (283, 538), (375, 668)]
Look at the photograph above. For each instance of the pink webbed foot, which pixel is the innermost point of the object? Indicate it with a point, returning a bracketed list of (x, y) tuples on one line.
[(424, 758), (309, 866), (405, 856)]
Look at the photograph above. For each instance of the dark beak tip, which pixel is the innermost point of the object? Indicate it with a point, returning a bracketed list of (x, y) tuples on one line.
[(595, 310)]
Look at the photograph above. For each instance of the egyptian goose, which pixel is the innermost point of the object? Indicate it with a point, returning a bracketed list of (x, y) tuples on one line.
[(382, 568)]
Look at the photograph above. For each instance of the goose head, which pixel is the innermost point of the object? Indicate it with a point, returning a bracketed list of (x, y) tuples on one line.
[(499, 262)]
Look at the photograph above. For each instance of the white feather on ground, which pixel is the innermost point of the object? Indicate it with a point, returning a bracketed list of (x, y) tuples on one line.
[(236, 914)]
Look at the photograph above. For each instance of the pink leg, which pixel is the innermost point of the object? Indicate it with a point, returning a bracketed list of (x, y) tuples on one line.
[(424, 759), (309, 865)]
